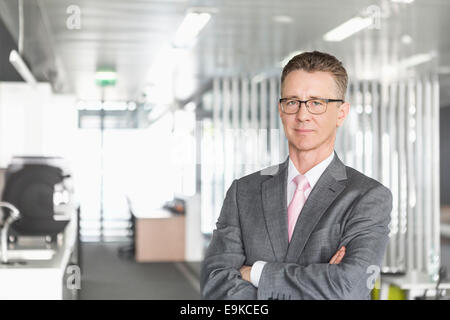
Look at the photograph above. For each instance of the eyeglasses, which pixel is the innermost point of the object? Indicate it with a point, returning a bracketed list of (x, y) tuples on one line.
[(314, 106)]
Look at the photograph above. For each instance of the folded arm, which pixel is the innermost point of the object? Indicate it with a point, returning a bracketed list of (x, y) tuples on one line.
[(220, 277), (365, 237)]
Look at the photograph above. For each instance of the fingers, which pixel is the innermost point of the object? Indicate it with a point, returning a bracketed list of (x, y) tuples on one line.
[(338, 256), (245, 272), (333, 259), (341, 255)]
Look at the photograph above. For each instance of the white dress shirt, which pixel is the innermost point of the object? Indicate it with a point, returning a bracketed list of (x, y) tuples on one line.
[(313, 176)]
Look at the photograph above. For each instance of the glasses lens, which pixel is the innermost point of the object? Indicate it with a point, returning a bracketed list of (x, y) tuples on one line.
[(290, 106), (317, 106)]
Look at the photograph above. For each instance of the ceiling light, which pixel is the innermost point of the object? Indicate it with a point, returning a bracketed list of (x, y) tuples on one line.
[(348, 28), (80, 105), (160, 78), (190, 106), (89, 105), (416, 60), (406, 39), (189, 29), (412, 61), (403, 1), (444, 70), (259, 77), (283, 19), (132, 105), (163, 64), (115, 105), (16, 60)]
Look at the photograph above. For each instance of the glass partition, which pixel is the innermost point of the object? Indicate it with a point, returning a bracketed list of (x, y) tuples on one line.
[(390, 134)]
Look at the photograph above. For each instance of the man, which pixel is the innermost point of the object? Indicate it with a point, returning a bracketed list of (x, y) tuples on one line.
[(311, 227)]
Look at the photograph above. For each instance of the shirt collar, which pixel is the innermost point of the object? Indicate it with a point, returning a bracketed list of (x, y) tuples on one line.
[(312, 174)]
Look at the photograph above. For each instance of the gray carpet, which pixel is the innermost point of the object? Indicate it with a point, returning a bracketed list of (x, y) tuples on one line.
[(445, 254), (107, 276)]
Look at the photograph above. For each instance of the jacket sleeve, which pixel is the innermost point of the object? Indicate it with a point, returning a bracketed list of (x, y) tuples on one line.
[(365, 236), (220, 277)]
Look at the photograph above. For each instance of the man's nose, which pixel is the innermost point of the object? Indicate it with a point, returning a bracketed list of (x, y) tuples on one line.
[(303, 114)]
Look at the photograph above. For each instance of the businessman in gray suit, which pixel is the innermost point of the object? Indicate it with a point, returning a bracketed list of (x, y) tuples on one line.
[(310, 227)]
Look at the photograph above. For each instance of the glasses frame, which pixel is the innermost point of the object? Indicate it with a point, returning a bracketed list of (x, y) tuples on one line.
[(306, 104)]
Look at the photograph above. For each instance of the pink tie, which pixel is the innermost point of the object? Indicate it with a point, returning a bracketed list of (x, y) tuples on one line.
[(297, 202)]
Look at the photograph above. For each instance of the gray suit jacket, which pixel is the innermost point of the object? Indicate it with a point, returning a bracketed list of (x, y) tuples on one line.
[(345, 208)]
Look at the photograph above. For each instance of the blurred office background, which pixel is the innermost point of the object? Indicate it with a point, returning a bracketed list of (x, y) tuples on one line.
[(156, 106)]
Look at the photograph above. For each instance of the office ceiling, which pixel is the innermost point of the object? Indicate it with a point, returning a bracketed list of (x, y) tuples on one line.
[(243, 37), (7, 71)]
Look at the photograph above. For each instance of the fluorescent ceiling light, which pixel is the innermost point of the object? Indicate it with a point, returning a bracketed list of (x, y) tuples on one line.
[(16, 60), (163, 64), (191, 26), (160, 78), (283, 19), (444, 70), (190, 106), (412, 61), (416, 60), (259, 77), (107, 105), (348, 28), (402, 1), (406, 39), (115, 105), (132, 105)]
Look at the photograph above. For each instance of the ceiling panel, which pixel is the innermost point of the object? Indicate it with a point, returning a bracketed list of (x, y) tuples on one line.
[(243, 37), (7, 71)]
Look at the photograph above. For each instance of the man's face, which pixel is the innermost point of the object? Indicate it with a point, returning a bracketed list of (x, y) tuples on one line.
[(320, 129)]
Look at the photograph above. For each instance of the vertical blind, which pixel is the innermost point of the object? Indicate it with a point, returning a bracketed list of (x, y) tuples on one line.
[(391, 134)]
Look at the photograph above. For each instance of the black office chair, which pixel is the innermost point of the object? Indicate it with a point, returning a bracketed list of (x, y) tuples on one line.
[(128, 251), (31, 190)]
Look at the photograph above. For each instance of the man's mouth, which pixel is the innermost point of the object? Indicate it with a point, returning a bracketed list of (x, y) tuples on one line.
[(303, 130)]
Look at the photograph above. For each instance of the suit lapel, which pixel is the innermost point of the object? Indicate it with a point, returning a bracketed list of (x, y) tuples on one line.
[(275, 210), (327, 189)]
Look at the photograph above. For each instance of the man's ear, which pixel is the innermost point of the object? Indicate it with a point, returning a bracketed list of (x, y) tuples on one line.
[(343, 111)]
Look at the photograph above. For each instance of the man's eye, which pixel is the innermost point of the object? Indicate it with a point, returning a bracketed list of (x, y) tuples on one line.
[(291, 102), (317, 103)]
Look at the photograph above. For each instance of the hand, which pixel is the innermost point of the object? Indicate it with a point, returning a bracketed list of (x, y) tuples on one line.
[(338, 256), (245, 272), (336, 259)]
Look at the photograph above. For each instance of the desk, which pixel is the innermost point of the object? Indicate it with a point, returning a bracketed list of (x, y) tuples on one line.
[(414, 283), (160, 236), (40, 279)]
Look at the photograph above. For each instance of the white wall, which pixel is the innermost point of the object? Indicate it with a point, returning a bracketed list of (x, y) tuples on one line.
[(34, 121)]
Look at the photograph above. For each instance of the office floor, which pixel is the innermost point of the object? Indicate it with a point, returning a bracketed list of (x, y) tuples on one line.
[(107, 276), (445, 254)]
